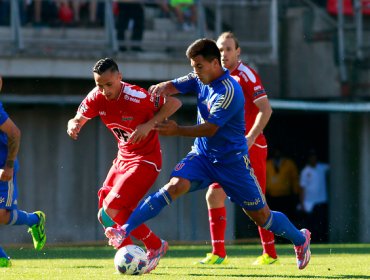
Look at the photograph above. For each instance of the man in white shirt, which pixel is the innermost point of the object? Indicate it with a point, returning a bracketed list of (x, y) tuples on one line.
[(314, 198)]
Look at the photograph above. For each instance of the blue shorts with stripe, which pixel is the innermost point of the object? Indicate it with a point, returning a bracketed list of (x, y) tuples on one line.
[(8, 194), (236, 178)]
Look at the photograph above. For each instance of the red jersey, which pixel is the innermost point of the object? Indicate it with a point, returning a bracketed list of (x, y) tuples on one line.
[(134, 106), (253, 90)]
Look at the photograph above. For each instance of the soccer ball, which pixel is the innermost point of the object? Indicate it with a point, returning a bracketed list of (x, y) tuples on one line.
[(131, 260)]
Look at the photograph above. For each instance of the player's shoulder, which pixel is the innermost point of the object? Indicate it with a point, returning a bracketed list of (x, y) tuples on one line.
[(247, 73)]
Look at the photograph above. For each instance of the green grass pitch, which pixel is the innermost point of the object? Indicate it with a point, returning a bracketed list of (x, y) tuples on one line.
[(329, 261)]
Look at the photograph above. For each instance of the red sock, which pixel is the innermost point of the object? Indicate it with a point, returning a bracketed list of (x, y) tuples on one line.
[(217, 225), (142, 232), (268, 242)]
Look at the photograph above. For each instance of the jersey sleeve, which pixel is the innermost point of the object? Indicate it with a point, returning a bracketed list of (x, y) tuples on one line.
[(88, 107), (187, 83), (3, 115), (226, 106), (251, 83)]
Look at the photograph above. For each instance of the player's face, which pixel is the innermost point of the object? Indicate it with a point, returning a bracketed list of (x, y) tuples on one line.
[(205, 70), (109, 84), (229, 54)]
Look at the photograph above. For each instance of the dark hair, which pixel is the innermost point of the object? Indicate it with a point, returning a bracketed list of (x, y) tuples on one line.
[(206, 48), (104, 65), (229, 35)]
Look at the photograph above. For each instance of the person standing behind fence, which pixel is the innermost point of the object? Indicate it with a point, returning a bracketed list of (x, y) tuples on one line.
[(10, 215), (130, 10), (314, 198)]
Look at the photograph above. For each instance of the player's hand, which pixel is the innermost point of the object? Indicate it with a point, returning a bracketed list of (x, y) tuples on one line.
[(167, 128), (73, 128), (140, 133), (6, 174), (250, 141), (158, 89)]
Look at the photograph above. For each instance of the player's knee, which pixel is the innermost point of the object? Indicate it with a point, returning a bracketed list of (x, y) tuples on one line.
[(177, 187), (215, 198), (104, 219)]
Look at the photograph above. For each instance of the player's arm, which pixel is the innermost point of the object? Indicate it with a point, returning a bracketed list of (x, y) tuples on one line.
[(14, 139), (163, 89), (171, 128), (170, 106), (261, 120), (74, 125)]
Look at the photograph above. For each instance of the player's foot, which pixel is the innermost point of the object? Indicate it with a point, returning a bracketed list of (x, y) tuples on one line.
[(155, 255), (214, 259), (38, 231), (303, 253), (265, 259), (115, 236), (5, 262)]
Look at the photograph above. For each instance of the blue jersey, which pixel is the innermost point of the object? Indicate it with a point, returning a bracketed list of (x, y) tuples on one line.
[(4, 140), (221, 103)]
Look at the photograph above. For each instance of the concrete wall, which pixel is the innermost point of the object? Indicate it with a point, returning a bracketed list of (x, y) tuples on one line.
[(61, 177)]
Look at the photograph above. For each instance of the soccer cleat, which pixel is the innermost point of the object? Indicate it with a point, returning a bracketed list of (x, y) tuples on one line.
[(38, 231), (155, 255), (115, 236), (5, 262), (303, 253), (214, 259), (265, 259)]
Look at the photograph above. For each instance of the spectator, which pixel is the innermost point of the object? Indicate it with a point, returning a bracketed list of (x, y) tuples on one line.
[(186, 13), (282, 184), (130, 10), (42, 12), (313, 181)]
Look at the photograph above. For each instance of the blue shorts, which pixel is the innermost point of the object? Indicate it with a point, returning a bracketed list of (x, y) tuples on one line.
[(8, 194), (237, 179)]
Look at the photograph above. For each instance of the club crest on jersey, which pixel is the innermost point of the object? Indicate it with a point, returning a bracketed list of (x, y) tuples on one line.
[(179, 166)]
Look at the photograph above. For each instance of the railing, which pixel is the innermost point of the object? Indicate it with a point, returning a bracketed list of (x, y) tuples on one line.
[(264, 46)]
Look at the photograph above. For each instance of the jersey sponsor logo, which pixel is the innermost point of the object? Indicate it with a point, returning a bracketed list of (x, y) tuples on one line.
[(252, 203), (260, 92), (134, 93), (102, 113), (257, 88), (114, 194), (132, 99), (2, 200), (179, 166), (120, 132)]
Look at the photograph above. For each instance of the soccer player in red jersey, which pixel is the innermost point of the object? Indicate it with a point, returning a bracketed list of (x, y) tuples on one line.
[(130, 113), (257, 115)]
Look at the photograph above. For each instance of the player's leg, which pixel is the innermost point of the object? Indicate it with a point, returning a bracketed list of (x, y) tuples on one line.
[(241, 185), (188, 175), (4, 259), (215, 198), (10, 215), (124, 187), (258, 157)]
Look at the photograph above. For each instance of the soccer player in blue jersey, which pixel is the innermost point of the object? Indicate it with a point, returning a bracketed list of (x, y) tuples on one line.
[(219, 153), (10, 137)]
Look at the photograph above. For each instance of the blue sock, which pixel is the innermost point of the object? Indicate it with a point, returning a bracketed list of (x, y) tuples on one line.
[(19, 217), (280, 225), (2, 253), (148, 209)]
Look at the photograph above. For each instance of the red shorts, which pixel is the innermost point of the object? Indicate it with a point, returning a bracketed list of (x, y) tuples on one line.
[(257, 157), (126, 184)]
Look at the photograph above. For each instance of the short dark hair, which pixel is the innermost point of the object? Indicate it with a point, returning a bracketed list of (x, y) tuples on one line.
[(206, 48), (104, 65)]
